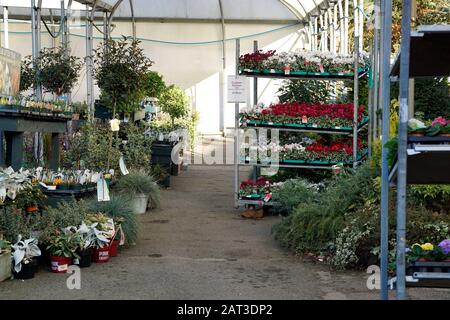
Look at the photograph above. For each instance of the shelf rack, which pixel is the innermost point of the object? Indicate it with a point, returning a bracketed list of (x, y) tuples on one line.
[(353, 132), (423, 53)]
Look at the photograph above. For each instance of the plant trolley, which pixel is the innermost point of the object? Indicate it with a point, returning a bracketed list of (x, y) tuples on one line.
[(240, 127)]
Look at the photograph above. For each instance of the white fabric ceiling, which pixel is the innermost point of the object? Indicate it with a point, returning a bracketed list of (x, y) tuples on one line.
[(191, 9)]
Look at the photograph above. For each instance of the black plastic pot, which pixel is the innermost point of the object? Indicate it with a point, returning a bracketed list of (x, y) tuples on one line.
[(27, 272), (85, 259)]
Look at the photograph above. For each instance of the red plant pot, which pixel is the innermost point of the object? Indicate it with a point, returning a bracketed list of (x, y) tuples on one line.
[(113, 248), (31, 209), (60, 264), (101, 255)]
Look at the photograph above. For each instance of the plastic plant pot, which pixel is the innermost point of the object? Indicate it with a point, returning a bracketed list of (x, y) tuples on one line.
[(85, 259), (27, 272), (113, 248), (5, 266), (60, 264), (140, 203), (101, 255), (31, 209)]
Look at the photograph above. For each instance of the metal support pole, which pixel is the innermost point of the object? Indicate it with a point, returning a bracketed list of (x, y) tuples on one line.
[(6, 26), (35, 39), (402, 146), (361, 25), (385, 104), (375, 68), (89, 68), (255, 102), (346, 27), (222, 74), (341, 28), (236, 134), (355, 102), (63, 26), (133, 19)]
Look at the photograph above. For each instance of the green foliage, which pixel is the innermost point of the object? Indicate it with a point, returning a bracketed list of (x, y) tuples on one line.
[(67, 213), (154, 84), (14, 221), (305, 91), (137, 149), (27, 74), (190, 122), (375, 160), (139, 182), (89, 148), (392, 146), (58, 71), (175, 102), (62, 244), (292, 193), (315, 224), (30, 196), (119, 208), (431, 97), (121, 74)]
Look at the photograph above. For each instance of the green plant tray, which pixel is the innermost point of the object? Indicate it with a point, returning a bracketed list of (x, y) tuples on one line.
[(251, 196), (301, 126), (274, 72), (294, 161)]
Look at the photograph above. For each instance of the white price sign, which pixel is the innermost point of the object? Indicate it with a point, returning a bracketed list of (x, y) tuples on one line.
[(237, 90)]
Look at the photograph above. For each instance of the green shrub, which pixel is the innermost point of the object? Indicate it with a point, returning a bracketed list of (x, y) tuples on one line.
[(292, 193), (66, 214), (137, 150), (154, 84), (314, 225), (13, 222), (119, 208), (175, 102)]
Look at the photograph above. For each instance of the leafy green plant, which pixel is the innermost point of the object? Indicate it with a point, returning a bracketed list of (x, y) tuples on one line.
[(293, 193), (4, 246), (63, 244), (30, 196), (139, 182), (304, 91), (175, 102), (67, 213), (27, 74), (58, 71), (120, 70), (154, 84), (14, 222), (158, 172), (120, 209), (137, 149), (392, 146), (90, 148)]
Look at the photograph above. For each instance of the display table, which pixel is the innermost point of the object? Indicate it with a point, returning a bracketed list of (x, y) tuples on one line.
[(14, 123)]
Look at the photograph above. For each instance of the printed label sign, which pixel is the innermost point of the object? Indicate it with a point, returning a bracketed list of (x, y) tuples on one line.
[(237, 91)]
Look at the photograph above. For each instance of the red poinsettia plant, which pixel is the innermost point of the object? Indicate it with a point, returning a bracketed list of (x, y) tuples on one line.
[(321, 115)]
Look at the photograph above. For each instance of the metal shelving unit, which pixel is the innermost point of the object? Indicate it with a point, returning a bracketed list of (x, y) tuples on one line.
[(420, 159), (357, 158)]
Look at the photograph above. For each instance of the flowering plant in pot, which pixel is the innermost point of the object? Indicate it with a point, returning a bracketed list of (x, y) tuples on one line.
[(428, 252), (62, 246), (30, 198), (24, 253)]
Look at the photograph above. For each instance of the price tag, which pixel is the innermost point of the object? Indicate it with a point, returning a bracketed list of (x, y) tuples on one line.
[(268, 197), (304, 119)]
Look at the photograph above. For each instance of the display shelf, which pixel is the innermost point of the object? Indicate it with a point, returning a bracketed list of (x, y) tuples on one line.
[(278, 74), (305, 128), (13, 111), (261, 203), (429, 50), (428, 161)]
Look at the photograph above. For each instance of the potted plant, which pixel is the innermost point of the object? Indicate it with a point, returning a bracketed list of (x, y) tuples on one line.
[(103, 231), (142, 189), (58, 71), (62, 246), (24, 253), (175, 102), (5, 260), (31, 198)]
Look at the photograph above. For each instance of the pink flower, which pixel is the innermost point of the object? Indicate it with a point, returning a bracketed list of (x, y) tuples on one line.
[(440, 120)]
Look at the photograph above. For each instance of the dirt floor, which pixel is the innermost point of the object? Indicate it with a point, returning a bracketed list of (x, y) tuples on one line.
[(198, 247)]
